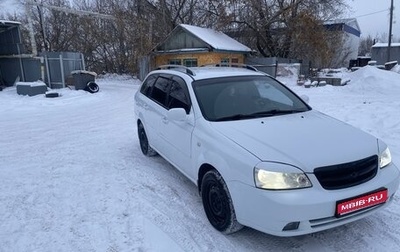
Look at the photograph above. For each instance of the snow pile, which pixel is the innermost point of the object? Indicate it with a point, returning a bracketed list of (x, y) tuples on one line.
[(288, 69), (288, 73), (116, 77), (396, 69), (372, 79)]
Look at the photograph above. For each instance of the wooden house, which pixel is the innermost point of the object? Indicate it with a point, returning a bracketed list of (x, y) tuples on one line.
[(196, 46)]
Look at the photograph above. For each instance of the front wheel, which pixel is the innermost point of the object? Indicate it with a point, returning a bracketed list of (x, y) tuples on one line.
[(217, 203)]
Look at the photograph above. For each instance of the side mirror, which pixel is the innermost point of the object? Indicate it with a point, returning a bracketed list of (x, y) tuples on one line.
[(177, 114), (305, 98)]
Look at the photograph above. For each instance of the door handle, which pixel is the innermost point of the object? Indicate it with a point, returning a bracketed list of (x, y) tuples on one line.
[(165, 120)]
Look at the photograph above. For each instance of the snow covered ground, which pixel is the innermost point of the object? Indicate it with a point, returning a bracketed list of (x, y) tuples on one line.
[(72, 177)]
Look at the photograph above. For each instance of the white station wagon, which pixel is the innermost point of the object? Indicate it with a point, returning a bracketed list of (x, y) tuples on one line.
[(260, 156)]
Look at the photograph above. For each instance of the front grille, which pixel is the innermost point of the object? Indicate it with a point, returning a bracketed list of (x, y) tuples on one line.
[(346, 175)]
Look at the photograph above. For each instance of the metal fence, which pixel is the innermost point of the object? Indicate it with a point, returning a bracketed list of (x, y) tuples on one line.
[(59, 65), (19, 68), (51, 67)]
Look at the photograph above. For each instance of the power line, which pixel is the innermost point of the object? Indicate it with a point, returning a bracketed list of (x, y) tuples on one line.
[(372, 13)]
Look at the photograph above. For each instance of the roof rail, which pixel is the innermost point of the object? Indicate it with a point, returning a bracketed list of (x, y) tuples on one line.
[(173, 67), (232, 65)]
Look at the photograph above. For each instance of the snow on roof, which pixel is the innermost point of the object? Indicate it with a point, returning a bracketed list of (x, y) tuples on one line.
[(340, 21), (216, 39), (352, 22), (31, 84), (3, 22), (184, 50), (385, 45)]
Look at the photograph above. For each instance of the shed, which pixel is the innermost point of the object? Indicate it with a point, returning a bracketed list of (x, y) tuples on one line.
[(351, 32), (192, 46), (17, 65), (13, 61), (380, 50)]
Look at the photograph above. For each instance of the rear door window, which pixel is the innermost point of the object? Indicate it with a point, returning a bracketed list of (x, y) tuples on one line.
[(160, 90)]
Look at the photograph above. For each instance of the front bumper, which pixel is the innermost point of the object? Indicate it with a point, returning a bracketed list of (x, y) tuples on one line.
[(312, 208)]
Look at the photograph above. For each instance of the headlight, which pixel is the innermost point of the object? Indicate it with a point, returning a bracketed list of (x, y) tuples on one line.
[(385, 158), (280, 180)]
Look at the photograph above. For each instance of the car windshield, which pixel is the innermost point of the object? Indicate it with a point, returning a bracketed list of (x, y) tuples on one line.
[(245, 97)]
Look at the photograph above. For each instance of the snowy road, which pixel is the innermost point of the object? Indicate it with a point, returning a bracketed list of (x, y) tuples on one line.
[(72, 178)]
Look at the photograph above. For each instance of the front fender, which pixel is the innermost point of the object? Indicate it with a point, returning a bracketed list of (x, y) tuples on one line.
[(233, 162)]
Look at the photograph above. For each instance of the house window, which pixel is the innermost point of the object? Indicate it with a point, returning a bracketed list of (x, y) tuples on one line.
[(174, 62), (190, 62), (225, 61), (228, 61)]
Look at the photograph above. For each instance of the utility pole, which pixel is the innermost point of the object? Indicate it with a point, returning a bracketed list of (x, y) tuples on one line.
[(390, 32), (31, 31)]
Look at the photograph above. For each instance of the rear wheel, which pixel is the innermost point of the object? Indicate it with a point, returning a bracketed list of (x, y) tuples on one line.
[(144, 142), (217, 203)]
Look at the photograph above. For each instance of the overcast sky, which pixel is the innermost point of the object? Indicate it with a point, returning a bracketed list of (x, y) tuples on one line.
[(372, 15)]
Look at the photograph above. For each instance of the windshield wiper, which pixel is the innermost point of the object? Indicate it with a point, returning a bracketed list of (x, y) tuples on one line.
[(235, 117), (267, 113), (273, 112)]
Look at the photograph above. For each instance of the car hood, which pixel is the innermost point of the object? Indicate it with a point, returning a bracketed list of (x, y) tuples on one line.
[(306, 140)]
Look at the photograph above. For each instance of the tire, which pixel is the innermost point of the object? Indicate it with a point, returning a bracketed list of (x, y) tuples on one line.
[(52, 95), (217, 203), (144, 142), (92, 87)]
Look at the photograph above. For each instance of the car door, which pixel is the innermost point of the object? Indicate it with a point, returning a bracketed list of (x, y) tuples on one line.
[(156, 111), (178, 134), (144, 106)]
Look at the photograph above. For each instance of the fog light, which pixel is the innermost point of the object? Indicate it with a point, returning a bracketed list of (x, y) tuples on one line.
[(291, 226)]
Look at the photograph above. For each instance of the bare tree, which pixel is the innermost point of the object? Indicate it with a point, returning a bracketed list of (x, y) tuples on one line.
[(114, 34), (272, 27), (365, 46)]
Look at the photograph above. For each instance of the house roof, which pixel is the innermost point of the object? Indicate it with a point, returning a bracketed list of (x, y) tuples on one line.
[(348, 21), (349, 25), (216, 39), (5, 25), (199, 39), (9, 22)]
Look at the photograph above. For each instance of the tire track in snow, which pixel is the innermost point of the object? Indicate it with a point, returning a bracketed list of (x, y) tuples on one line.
[(171, 202)]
